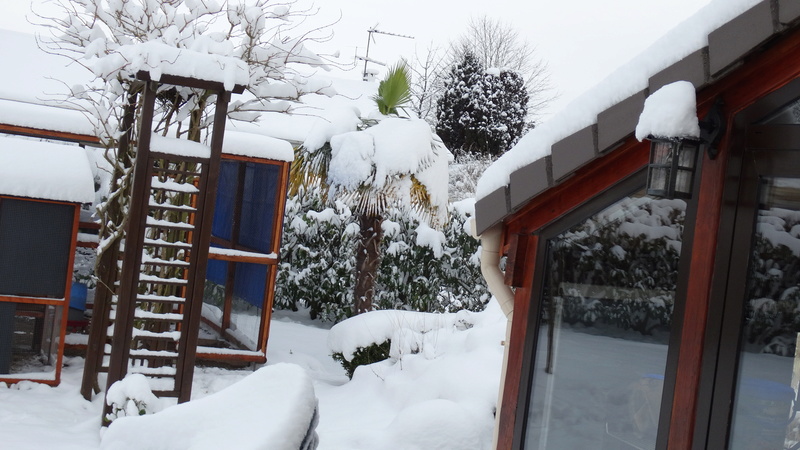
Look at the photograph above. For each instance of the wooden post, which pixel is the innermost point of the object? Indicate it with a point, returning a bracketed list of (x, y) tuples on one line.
[(132, 259), (200, 245)]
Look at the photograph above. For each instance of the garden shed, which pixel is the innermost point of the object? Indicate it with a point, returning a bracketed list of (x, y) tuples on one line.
[(645, 317), (42, 186)]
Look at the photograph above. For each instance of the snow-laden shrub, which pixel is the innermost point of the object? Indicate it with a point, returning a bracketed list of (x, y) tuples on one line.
[(422, 269), (317, 258), (465, 172), (363, 356), (131, 396), (379, 335)]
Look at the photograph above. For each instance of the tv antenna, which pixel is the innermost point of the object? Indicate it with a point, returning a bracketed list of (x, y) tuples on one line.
[(371, 38)]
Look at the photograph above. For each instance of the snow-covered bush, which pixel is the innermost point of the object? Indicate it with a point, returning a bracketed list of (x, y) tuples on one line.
[(131, 396), (482, 110), (363, 356), (464, 174), (317, 258), (379, 335), (421, 270), (429, 270)]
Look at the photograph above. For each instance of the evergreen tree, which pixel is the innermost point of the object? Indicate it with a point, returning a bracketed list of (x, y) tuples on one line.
[(455, 107), (481, 111)]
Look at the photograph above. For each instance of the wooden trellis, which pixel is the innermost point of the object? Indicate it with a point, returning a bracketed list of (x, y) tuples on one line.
[(156, 312)]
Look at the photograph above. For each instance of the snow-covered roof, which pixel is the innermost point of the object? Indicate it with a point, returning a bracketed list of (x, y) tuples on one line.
[(34, 85), (700, 50), (257, 146), (45, 170)]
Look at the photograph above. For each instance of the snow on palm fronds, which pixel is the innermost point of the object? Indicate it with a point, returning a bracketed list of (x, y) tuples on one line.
[(389, 161)]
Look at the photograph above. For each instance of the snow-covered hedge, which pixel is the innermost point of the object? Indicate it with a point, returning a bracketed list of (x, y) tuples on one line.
[(422, 269)]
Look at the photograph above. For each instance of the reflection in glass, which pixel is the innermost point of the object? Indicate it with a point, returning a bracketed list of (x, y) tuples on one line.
[(788, 115), (604, 328), (765, 414)]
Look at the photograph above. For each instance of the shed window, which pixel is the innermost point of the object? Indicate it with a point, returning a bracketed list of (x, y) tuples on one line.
[(245, 239), (35, 239), (604, 320)]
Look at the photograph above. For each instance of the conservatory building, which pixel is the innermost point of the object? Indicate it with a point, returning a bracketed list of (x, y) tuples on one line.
[(652, 241)]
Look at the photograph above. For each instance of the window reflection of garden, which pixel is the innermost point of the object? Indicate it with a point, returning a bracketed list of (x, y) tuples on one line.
[(605, 319), (619, 268), (766, 409), (772, 317)]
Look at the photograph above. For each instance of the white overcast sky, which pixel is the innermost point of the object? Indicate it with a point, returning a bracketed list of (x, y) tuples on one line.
[(581, 41)]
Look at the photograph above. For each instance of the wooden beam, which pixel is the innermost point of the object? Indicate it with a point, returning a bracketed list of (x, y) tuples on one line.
[(177, 80), (510, 413), (49, 134)]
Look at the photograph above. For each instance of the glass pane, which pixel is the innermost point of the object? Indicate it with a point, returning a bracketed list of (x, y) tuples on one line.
[(29, 337), (248, 302), (214, 292), (35, 240), (662, 153), (683, 182), (258, 206), (659, 177), (604, 328), (765, 412), (788, 115), (226, 199)]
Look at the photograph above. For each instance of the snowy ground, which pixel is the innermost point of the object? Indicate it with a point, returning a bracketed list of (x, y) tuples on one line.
[(442, 397)]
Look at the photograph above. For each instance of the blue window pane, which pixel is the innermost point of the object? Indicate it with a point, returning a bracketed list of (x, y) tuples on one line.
[(258, 206), (250, 283), (226, 199)]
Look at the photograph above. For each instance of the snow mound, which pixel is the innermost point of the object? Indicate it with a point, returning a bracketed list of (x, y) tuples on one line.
[(406, 330), (439, 423), (439, 392), (271, 408)]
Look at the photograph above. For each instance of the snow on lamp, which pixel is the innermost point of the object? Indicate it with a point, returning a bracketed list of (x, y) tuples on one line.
[(669, 121)]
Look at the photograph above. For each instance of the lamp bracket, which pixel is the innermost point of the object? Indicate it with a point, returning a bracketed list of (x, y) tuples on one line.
[(712, 127)]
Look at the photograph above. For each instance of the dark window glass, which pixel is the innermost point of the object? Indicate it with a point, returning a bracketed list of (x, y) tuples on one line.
[(250, 283), (766, 410), (35, 240), (258, 207), (226, 199), (604, 328)]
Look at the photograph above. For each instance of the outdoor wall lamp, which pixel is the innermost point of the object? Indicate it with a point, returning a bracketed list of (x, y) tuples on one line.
[(673, 160)]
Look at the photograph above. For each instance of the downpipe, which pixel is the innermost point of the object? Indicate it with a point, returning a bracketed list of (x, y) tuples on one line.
[(491, 243)]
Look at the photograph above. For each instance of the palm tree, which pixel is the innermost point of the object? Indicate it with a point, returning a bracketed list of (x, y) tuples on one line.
[(361, 168)]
